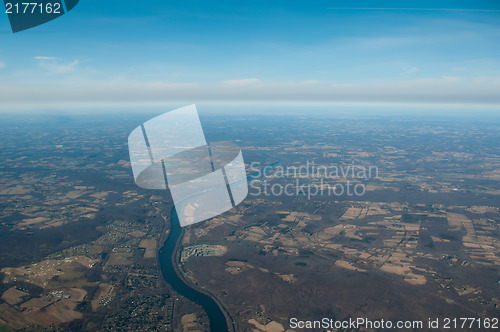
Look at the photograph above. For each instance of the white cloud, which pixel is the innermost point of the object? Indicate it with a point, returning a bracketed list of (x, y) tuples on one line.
[(242, 82), (56, 66), (310, 82), (411, 70), (2, 65), (45, 58)]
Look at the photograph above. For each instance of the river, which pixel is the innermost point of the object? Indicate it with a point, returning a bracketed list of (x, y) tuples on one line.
[(167, 258)]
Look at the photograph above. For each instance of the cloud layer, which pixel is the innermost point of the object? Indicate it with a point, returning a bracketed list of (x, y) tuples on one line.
[(78, 92)]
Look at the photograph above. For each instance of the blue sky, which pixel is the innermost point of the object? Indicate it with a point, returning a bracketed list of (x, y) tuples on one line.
[(116, 54)]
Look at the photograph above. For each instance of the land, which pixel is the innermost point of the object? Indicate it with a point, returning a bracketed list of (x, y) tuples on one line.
[(79, 241)]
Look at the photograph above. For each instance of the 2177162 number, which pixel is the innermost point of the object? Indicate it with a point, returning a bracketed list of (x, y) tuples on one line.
[(469, 323), (33, 8)]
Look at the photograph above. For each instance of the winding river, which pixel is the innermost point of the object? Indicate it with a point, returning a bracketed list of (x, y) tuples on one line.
[(168, 257)]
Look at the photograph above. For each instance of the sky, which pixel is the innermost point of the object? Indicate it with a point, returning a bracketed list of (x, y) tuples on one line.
[(137, 54)]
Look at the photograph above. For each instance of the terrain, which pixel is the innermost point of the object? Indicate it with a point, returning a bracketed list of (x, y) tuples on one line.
[(79, 240)]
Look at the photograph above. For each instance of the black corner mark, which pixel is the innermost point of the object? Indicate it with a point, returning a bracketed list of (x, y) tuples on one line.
[(26, 14)]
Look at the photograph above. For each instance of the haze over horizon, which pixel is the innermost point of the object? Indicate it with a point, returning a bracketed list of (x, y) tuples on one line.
[(429, 55)]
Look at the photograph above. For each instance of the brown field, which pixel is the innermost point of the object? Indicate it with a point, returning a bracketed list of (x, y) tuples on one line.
[(16, 190), (104, 293), (33, 221), (270, 327), (47, 310), (40, 273), (348, 266), (354, 213), (37, 303), (375, 210), (150, 246), (13, 296), (189, 322), (119, 258), (61, 311), (12, 317), (137, 234), (235, 267)]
